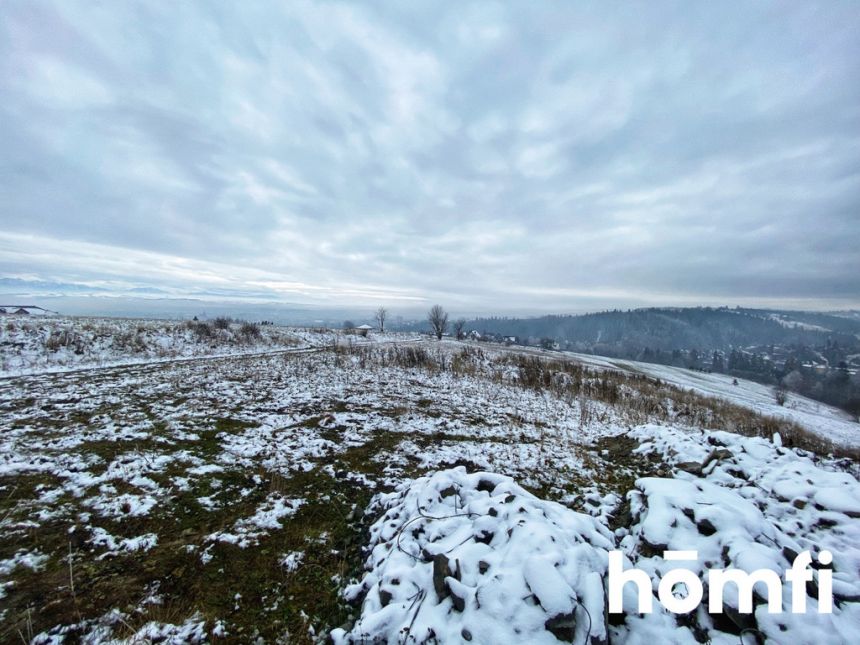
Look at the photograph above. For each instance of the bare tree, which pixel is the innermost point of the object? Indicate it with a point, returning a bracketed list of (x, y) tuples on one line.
[(459, 324), (438, 320), (380, 315)]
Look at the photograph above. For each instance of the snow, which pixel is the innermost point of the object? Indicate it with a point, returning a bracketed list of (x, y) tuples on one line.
[(56, 344), (268, 516), (512, 562), (756, 506), (114, 449), (31, 560), (783, 320), (830, 423), (101, 538), (292, 560), (517, 561)]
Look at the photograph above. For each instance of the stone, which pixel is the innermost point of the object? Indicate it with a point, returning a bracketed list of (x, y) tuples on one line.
[(440, 572), (486, 485), (705, 527), (385, 597), (447, 492), (692, 467), (562, 626)]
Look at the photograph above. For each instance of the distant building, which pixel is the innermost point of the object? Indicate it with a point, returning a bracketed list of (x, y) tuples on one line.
[(21, 312), (362, 330)]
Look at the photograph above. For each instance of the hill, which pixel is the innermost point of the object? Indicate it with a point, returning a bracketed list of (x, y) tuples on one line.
[(290, 496)]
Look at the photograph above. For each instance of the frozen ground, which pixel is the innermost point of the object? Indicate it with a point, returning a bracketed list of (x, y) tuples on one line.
[(251, 496), (829, 422), (40, 344)]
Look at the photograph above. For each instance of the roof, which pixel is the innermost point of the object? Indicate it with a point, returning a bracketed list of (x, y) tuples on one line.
[(364, 327)]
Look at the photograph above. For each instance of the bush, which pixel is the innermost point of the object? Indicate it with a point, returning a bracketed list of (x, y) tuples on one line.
[(250, 330), (222, 322), (64, 338), (202, 330), (780, 394)]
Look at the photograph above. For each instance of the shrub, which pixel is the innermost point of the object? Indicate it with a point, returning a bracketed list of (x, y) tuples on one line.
[(780, 394), (222, 322), (249, 330), (202, 330)]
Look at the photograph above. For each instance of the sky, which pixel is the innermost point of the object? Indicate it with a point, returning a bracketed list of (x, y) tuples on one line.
[(493, 157)]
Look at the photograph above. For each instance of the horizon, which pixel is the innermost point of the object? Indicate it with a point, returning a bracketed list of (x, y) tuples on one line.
[(493, 158), (299, 314)]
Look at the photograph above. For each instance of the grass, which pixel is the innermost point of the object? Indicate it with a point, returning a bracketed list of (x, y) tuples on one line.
[(247, 588)]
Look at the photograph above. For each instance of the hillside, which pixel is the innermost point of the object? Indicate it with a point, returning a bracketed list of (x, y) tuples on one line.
[(816, 355), (832, 424), (289, 496), (666, 329)]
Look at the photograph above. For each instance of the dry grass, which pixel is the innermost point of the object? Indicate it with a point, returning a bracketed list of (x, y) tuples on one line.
[(637, 398)]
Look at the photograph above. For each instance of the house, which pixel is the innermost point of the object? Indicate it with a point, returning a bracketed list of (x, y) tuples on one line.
[(21, 312), (362, 330)]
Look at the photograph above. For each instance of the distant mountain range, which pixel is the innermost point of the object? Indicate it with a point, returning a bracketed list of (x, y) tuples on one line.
[(701, 328)]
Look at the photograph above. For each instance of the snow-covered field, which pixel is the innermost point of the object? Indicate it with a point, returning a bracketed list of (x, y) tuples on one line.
[(41, 344), (279, 496), (831, 423)]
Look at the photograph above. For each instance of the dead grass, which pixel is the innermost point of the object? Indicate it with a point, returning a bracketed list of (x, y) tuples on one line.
[(638, 398)]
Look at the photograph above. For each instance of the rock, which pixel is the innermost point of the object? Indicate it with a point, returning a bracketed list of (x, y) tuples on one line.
[(447, 492), (484, 536), (440, 572), (692, 467), (705, 527), (799, 503), (718, 454), (741, 621), (562, 626), (459, 603), (385, 597), (486, 485), (466, 634)]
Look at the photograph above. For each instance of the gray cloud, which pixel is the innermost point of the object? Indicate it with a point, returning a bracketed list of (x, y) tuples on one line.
[(495, 156)]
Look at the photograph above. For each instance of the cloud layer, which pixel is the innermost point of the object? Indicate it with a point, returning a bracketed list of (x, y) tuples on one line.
[(497, 157)]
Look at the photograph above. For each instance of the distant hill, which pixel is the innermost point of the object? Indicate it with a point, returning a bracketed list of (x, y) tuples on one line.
[(667, 329), (814, 354)]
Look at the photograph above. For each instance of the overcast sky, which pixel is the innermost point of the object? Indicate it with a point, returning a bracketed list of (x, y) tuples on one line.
[(533, 156)]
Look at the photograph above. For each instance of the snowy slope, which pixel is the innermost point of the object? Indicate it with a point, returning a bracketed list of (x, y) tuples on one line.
[(824, 420)]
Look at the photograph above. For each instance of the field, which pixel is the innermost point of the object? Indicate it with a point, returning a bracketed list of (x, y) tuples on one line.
[(234, 498)]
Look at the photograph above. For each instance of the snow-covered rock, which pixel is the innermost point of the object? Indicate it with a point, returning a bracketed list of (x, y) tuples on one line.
[(475, 557)]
